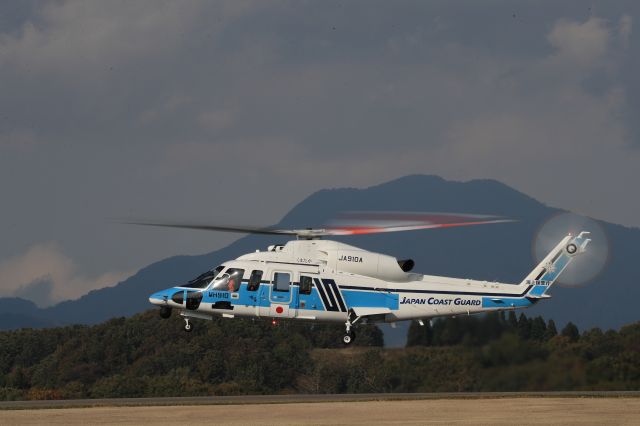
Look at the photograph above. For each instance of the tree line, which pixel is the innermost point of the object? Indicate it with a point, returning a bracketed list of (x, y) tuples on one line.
[(145, 356), (479, 330)]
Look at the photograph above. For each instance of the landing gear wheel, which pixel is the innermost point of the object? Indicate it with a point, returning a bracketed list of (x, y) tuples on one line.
[(187, 326), (348, 338), (349, 335)]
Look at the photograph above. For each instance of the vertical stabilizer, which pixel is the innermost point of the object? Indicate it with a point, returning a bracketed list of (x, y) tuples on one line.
[(548, 271)]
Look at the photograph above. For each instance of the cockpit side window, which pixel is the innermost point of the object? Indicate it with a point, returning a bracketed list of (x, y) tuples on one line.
[(305, 285), (221, 283), (254, 280), (235, 279)]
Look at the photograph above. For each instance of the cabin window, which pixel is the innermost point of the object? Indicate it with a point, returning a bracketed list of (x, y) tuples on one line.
[(254, 280), (305, 285), (281, 281)]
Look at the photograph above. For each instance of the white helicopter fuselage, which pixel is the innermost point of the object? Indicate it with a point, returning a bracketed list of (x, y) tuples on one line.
[(322, 280)]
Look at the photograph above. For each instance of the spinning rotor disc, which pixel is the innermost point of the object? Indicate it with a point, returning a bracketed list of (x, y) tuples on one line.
[(588, 265), (350, 223)]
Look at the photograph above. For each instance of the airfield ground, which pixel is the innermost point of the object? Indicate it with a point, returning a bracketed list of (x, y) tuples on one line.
[(494, 411)]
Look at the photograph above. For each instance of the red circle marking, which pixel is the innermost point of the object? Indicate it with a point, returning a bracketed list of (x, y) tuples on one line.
[(279, 309)]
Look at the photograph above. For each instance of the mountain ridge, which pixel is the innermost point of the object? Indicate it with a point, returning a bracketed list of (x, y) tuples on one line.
[(493, 252)]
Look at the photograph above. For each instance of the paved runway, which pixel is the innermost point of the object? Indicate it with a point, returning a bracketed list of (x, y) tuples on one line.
[(504, 410), (301, 398)]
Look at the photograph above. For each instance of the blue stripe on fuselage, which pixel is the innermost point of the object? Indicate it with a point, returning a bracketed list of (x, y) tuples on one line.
[(261, 297), (354, 296), (370, 299), (505, 302)]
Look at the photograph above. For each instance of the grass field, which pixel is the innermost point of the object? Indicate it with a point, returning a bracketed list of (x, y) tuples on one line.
[(507, 411)]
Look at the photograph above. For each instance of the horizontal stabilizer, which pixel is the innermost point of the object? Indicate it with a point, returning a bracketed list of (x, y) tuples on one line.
[(541, 296)]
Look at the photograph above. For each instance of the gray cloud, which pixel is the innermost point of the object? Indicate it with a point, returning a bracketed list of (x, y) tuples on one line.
[(585, 43), (45, 274), (189, 109), (38, 291), (626, 25)]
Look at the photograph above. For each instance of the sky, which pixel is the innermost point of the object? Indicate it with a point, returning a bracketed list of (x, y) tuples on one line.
[(194, 110)]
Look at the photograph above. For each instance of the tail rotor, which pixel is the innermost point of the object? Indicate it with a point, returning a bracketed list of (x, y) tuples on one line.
[(590, 263)]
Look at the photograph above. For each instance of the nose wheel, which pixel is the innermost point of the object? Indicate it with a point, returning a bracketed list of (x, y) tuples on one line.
[(187, 325)]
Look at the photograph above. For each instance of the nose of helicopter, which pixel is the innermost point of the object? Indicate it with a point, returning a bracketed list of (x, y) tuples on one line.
[(159, 298)]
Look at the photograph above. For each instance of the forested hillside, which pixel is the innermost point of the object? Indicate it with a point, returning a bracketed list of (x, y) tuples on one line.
[(146, 356)]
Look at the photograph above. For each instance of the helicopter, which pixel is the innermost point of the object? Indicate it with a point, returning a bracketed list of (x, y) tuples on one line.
[(319, 280)]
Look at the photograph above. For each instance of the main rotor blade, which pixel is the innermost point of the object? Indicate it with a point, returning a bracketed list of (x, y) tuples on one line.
[(350, 223), (239, 229), (361, 223), (355, 230)]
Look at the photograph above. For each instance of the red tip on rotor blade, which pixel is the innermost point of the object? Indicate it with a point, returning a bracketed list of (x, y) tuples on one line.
[(363, 230)]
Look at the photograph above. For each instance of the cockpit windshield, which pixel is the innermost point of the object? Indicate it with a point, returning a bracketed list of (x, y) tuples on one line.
[(203, 280)]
